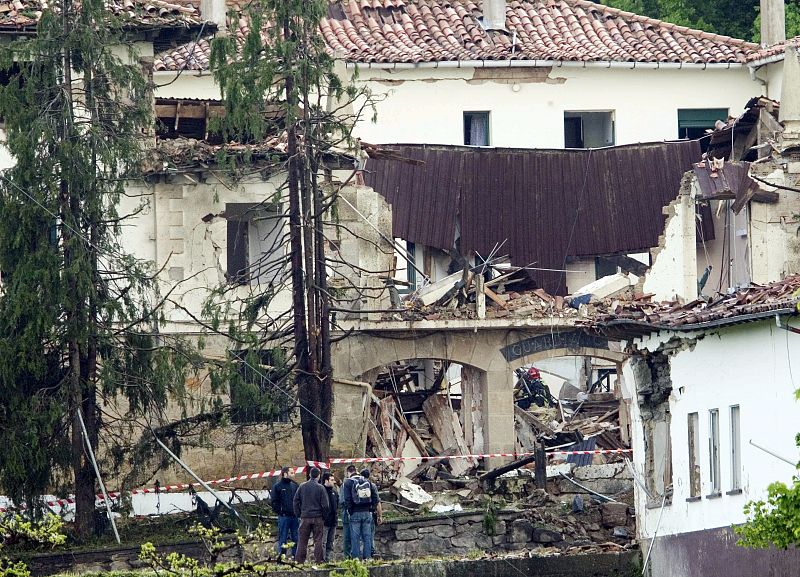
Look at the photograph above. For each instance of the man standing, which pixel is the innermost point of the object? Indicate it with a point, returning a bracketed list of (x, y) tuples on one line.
[(311, 505), (282, 500), (347, 544), (329, 533), (361, 500)]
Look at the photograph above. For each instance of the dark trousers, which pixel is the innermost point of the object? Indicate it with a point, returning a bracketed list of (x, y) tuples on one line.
[(328, 537), (347, 543), (309, 525), (287, 533)]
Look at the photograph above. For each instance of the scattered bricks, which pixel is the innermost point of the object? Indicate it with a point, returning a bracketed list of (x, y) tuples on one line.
[(541, 535), (614, 514), (521, 530)]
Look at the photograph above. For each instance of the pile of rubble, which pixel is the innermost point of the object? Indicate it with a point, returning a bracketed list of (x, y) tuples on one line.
[(506, 291)]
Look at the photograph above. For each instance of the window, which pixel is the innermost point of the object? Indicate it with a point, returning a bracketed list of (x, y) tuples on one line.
[(713, 451), (257, 389), (405, 275), (694, 455), (593, 129), (693, 123), (736, 447), (254, 250), (476, 128)]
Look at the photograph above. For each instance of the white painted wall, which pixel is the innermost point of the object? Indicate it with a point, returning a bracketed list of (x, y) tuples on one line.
[(526, 106), (426, 106), (754, 366)]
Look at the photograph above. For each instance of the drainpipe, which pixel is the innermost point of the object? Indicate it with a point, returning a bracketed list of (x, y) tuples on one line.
[(546, 64)]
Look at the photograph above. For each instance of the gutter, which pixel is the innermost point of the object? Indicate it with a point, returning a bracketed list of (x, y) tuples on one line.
[(756, 64), (450, 64)]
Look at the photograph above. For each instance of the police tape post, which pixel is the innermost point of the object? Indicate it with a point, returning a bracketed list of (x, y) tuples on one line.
[(320, 465)]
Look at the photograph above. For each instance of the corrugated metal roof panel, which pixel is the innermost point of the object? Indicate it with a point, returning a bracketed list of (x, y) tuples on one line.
[(546, 205)]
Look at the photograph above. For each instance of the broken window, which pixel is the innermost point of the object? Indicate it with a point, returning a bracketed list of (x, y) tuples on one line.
[(591, 129), (404, 273), (713, 451), (258, 389), (254, 249), (694, 122), (694, 455), (736, 458), (476, 128)]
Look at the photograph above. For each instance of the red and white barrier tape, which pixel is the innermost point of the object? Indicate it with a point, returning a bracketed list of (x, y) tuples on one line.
[(326, 465)]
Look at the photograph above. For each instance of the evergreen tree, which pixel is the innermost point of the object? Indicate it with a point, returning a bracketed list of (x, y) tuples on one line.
[(78, 316), (282, 63)]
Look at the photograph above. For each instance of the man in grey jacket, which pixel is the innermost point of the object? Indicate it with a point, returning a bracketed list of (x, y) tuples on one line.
[(311, 505)]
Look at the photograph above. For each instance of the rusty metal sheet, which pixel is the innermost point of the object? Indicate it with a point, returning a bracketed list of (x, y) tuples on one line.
[(547, 205)]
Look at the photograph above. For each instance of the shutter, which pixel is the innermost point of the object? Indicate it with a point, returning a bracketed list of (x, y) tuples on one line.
[(238, 249)]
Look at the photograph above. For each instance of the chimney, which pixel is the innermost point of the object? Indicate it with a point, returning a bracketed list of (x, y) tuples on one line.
[(494, 14), (773, 22), (215, 11), (790, 99)]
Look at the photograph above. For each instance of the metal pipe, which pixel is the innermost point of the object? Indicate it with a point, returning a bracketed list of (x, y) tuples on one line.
[(199, 480), (97, 472), (784, 459), (588, 490), (655, 534)]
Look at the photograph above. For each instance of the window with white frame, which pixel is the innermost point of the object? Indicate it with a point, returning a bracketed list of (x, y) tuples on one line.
[(713, 452), (736, 450)]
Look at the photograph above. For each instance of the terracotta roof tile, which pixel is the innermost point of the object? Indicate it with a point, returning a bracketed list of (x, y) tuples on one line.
[(25, 14), (412, 31), (774, 50)]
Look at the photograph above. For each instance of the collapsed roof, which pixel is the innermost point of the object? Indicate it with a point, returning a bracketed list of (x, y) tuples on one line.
[(539, 206)]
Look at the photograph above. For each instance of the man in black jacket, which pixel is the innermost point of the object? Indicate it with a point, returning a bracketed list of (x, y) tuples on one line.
[(282, 500), (329, 533), (311, 505)]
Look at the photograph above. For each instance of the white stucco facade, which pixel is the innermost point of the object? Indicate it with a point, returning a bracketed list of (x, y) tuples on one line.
[(526, 105), (752, 366)]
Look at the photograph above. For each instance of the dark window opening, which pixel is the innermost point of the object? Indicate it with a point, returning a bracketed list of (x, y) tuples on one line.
[(255, 251), (694, 123), (260, 391), (476, 128)]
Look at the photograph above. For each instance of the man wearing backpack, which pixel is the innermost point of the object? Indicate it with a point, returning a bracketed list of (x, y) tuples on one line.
[(282, 501), (361, 499)]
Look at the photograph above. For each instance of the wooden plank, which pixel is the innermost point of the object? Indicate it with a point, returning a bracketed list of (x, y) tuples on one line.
[(387, 409), (491, 294), (378, 444), (445, 425), (480, 297), (412, 434)]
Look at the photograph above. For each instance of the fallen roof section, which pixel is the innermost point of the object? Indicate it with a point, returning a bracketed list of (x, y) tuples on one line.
[(435, 31), (542, 206), (640, 316)]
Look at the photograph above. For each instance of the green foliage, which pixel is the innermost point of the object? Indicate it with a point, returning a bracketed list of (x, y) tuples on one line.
[(78, 315), (350, 568), (255, 556), (15, 529), (775, 521), (727, 17)]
